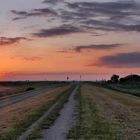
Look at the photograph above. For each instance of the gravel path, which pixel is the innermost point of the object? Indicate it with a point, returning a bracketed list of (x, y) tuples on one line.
[(64, 122)]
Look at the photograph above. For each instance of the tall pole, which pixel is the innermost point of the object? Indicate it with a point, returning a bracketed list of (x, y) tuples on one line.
[(80, 78)]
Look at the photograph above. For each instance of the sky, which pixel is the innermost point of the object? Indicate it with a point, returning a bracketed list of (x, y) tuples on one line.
[(53, 39)]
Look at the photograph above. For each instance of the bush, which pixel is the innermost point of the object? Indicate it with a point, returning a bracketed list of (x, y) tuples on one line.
[(30, 88)]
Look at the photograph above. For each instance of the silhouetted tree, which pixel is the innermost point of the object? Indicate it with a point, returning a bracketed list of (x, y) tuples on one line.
[(115, 78), (130, 78)]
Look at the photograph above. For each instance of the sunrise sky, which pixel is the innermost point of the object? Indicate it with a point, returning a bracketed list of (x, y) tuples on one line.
[(52, 39)]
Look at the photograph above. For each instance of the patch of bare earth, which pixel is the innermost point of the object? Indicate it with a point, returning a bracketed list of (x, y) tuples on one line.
[(17, 112), (121, 110)]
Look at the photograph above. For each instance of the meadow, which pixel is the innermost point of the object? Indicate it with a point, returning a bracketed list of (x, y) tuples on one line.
[(106, 114)]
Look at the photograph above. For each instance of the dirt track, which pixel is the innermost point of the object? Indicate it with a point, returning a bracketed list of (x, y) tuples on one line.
[(64, 122)]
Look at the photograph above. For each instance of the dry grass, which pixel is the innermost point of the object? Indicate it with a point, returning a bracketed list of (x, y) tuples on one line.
[(13, 114), (90, 125), (7, 90), (119, 109), (130, 101)]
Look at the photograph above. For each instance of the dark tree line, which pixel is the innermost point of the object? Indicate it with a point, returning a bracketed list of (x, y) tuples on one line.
[(130, 78)]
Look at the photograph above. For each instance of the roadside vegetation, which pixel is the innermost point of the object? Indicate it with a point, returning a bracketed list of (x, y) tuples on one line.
[(22, 125), (129, 84), (90, 124), (130, 88)]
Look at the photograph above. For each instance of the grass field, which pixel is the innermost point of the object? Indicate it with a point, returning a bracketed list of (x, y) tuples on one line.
[(106, 114), (10, 90), (14, 88), (102, 114), (17, 117)]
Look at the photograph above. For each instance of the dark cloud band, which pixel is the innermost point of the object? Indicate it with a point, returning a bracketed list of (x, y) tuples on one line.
[(33, 13), (96, 47), (120, 60), (58, 31), (106, 16), (4, 41), (52, 1)]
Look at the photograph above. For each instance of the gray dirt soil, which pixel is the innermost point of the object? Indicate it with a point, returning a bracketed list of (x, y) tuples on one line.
[(60, 128)]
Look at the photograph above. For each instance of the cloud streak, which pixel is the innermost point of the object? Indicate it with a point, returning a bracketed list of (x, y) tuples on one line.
[(33, 13), (4, 41), (57, 31), (52, 1), (96, 47), (120, 60), (27, 58)]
